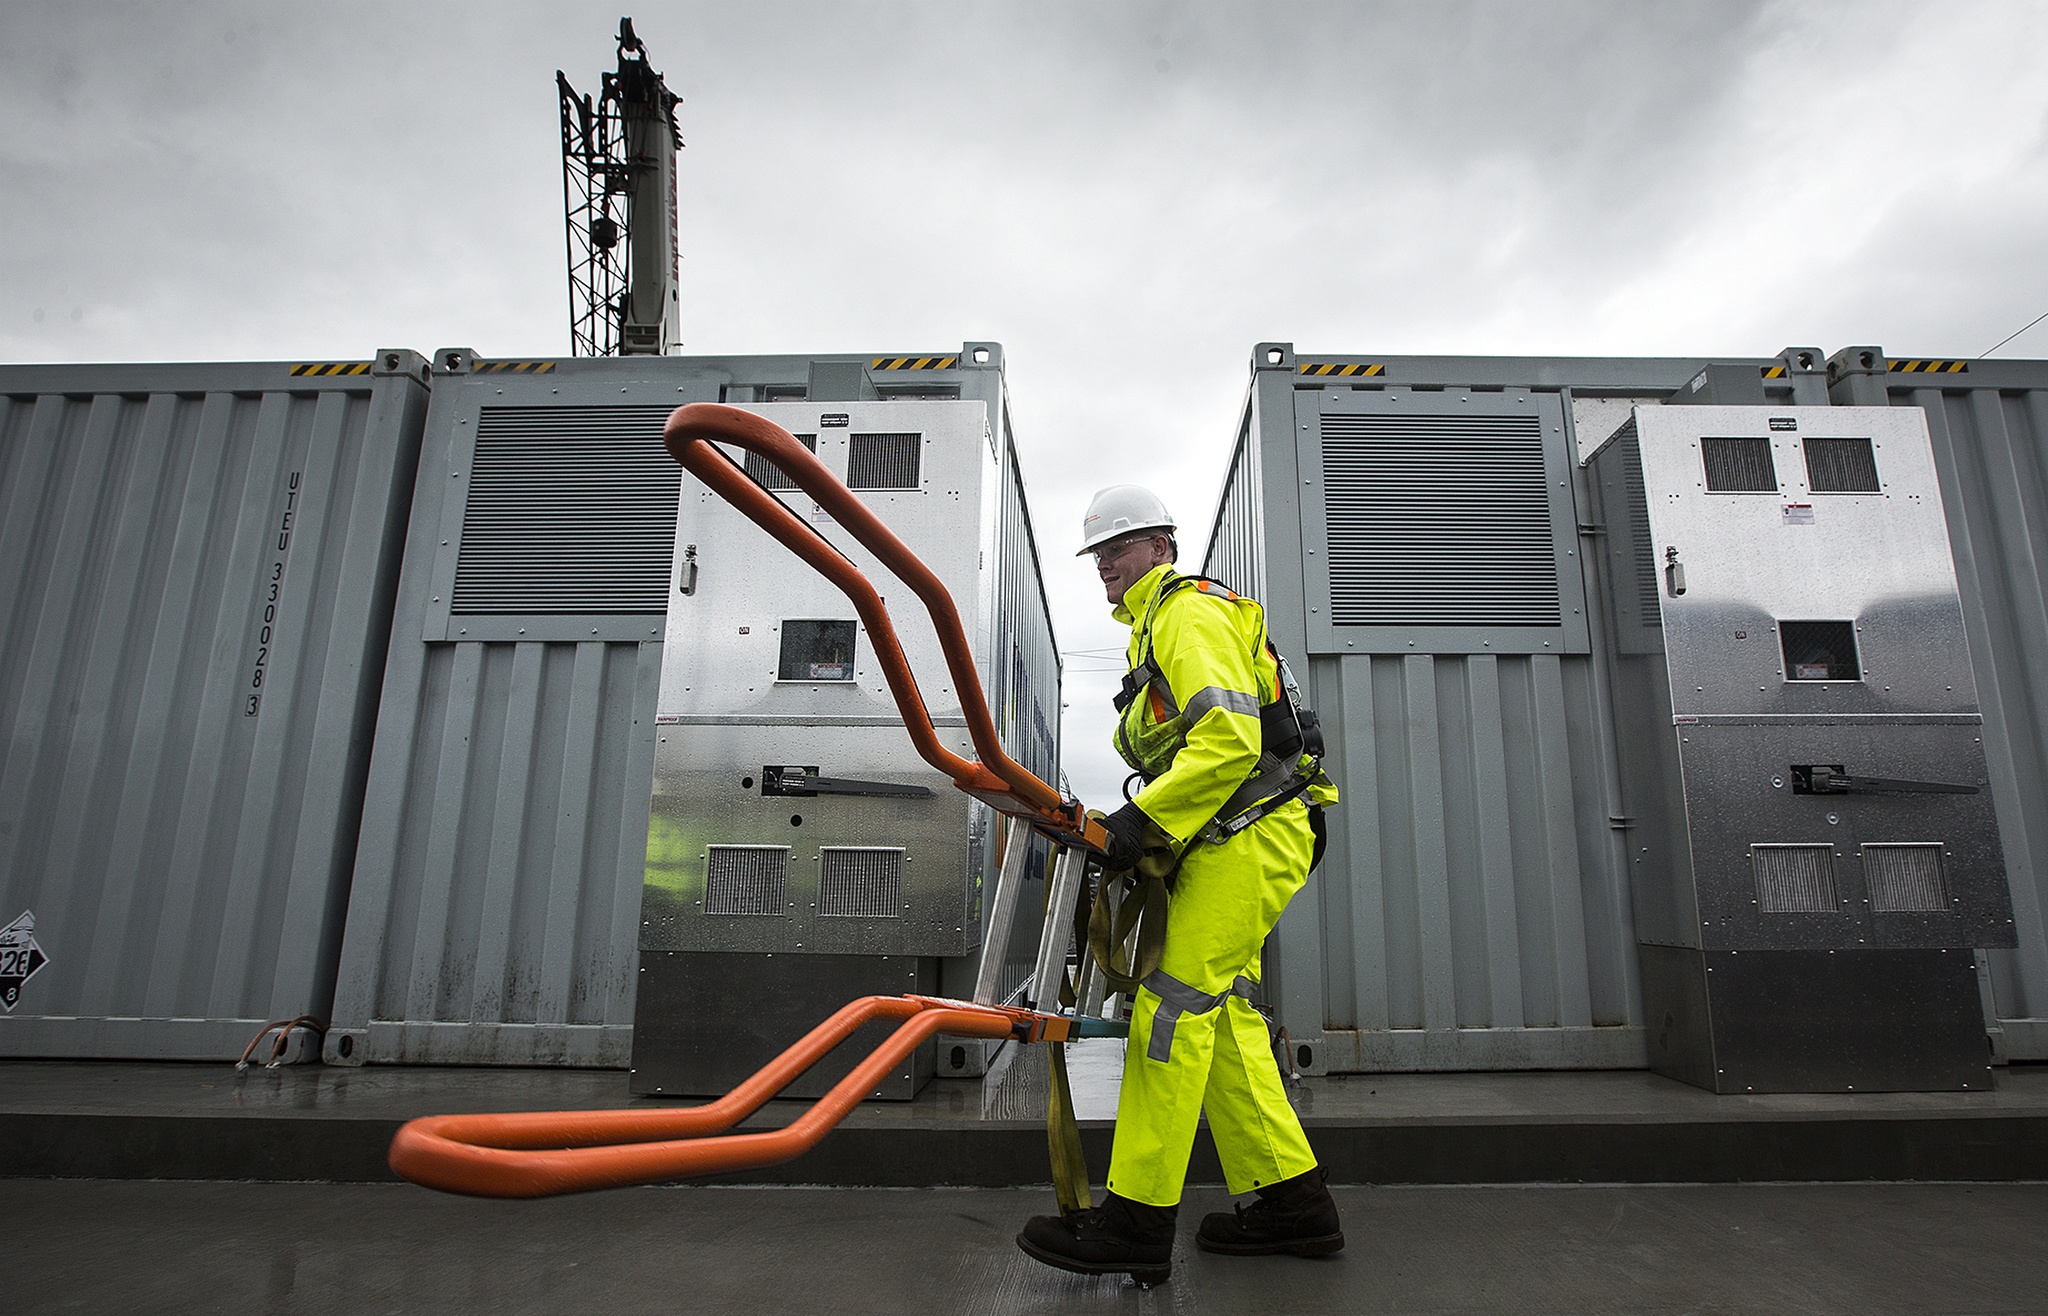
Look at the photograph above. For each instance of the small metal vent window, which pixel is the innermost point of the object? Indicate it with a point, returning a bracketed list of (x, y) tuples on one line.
[(1794, 879), (571, 510), (1739, 466), (746, 879), (1904, 877), (1438, 521), (1819, 650), (860, 882), (1841, 466), (768, 475), (883, 461), (816, 651)]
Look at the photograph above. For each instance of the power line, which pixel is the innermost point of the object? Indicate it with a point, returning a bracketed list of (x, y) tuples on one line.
[(2014, 334)]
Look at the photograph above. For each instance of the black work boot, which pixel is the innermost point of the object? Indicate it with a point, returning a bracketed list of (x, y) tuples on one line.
[(1120, 1237), (1295, 1215)]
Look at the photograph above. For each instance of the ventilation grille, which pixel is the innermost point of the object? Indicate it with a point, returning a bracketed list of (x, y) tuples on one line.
[(571, 510), (1794, 879), (1649, 609), (1904, 878), (1439, 521), (746, 879), (768, 475), (1739, 466), (858, 882), (1841, 466), (883, 461)]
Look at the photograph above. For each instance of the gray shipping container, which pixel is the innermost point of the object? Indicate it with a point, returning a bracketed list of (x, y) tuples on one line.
[(1413, 526), (1988, 421), (495, 912), (197, 567), (1410, 525)]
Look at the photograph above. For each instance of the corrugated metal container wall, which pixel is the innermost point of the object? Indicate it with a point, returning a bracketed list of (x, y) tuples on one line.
[(494, 915), (197, 565), (1988, 421), (1024, 690), (1416, 525)]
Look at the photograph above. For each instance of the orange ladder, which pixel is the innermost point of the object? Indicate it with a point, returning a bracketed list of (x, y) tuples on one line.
[(539, 1154)]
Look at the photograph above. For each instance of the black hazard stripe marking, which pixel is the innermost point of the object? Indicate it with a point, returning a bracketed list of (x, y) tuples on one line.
[(1774, 372), (323, 369), (1929, 367), (913, 363), (511, 367), (1340, 370)]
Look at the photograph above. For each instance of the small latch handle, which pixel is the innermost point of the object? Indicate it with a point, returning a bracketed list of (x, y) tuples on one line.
[(1674, 573)]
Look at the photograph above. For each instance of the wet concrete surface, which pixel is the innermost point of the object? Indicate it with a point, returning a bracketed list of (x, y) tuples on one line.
[(121, 1120), (1013, 1092), (159, 1247)]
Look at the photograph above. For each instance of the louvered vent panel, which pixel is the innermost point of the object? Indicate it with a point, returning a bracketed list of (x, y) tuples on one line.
[(1739, 466), (860, 882), (768, 475), (746, 879), (883, 461), (1904, 877), (1794, 879), (1841, 466), (571, 510), (1438, 521), (1648, 608)]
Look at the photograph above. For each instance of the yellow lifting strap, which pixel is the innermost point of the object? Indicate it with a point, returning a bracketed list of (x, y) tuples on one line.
[(1126, 947)]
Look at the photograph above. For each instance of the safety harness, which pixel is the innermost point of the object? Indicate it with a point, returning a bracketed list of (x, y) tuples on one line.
[(1288, 731)]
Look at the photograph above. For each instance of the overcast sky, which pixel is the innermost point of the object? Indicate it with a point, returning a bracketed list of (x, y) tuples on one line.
[(1127, 196)]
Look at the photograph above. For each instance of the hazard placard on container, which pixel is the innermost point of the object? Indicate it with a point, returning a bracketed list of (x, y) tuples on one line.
[(20, 958)]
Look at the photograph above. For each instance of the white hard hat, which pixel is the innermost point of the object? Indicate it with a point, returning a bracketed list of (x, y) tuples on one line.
[(1122, 509)]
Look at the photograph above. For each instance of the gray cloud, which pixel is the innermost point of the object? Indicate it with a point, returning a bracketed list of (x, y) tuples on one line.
[(1128, 196)]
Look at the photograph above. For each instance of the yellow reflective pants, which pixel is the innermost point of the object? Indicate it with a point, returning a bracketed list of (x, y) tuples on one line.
[(1219, 1059)]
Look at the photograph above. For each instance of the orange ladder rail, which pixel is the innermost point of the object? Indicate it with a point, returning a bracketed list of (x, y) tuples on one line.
[(543, 1153)]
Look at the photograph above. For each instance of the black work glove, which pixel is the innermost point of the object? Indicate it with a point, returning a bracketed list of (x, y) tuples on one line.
[(1126, 828)]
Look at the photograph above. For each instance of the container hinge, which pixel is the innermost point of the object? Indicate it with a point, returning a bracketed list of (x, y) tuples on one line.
[(686, 576), (1620, 822)]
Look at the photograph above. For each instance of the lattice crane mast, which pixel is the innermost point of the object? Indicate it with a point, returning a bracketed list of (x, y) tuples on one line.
[(619, 193)]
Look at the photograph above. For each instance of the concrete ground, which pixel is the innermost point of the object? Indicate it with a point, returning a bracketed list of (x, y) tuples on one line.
[(131, 1120), (178, 1247)]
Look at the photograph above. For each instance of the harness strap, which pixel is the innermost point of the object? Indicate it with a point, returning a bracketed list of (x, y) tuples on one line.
[(1268, 776), (1176, 998)]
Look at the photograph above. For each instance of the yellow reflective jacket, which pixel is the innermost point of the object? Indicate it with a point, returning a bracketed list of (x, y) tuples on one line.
[(1195, 736)]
